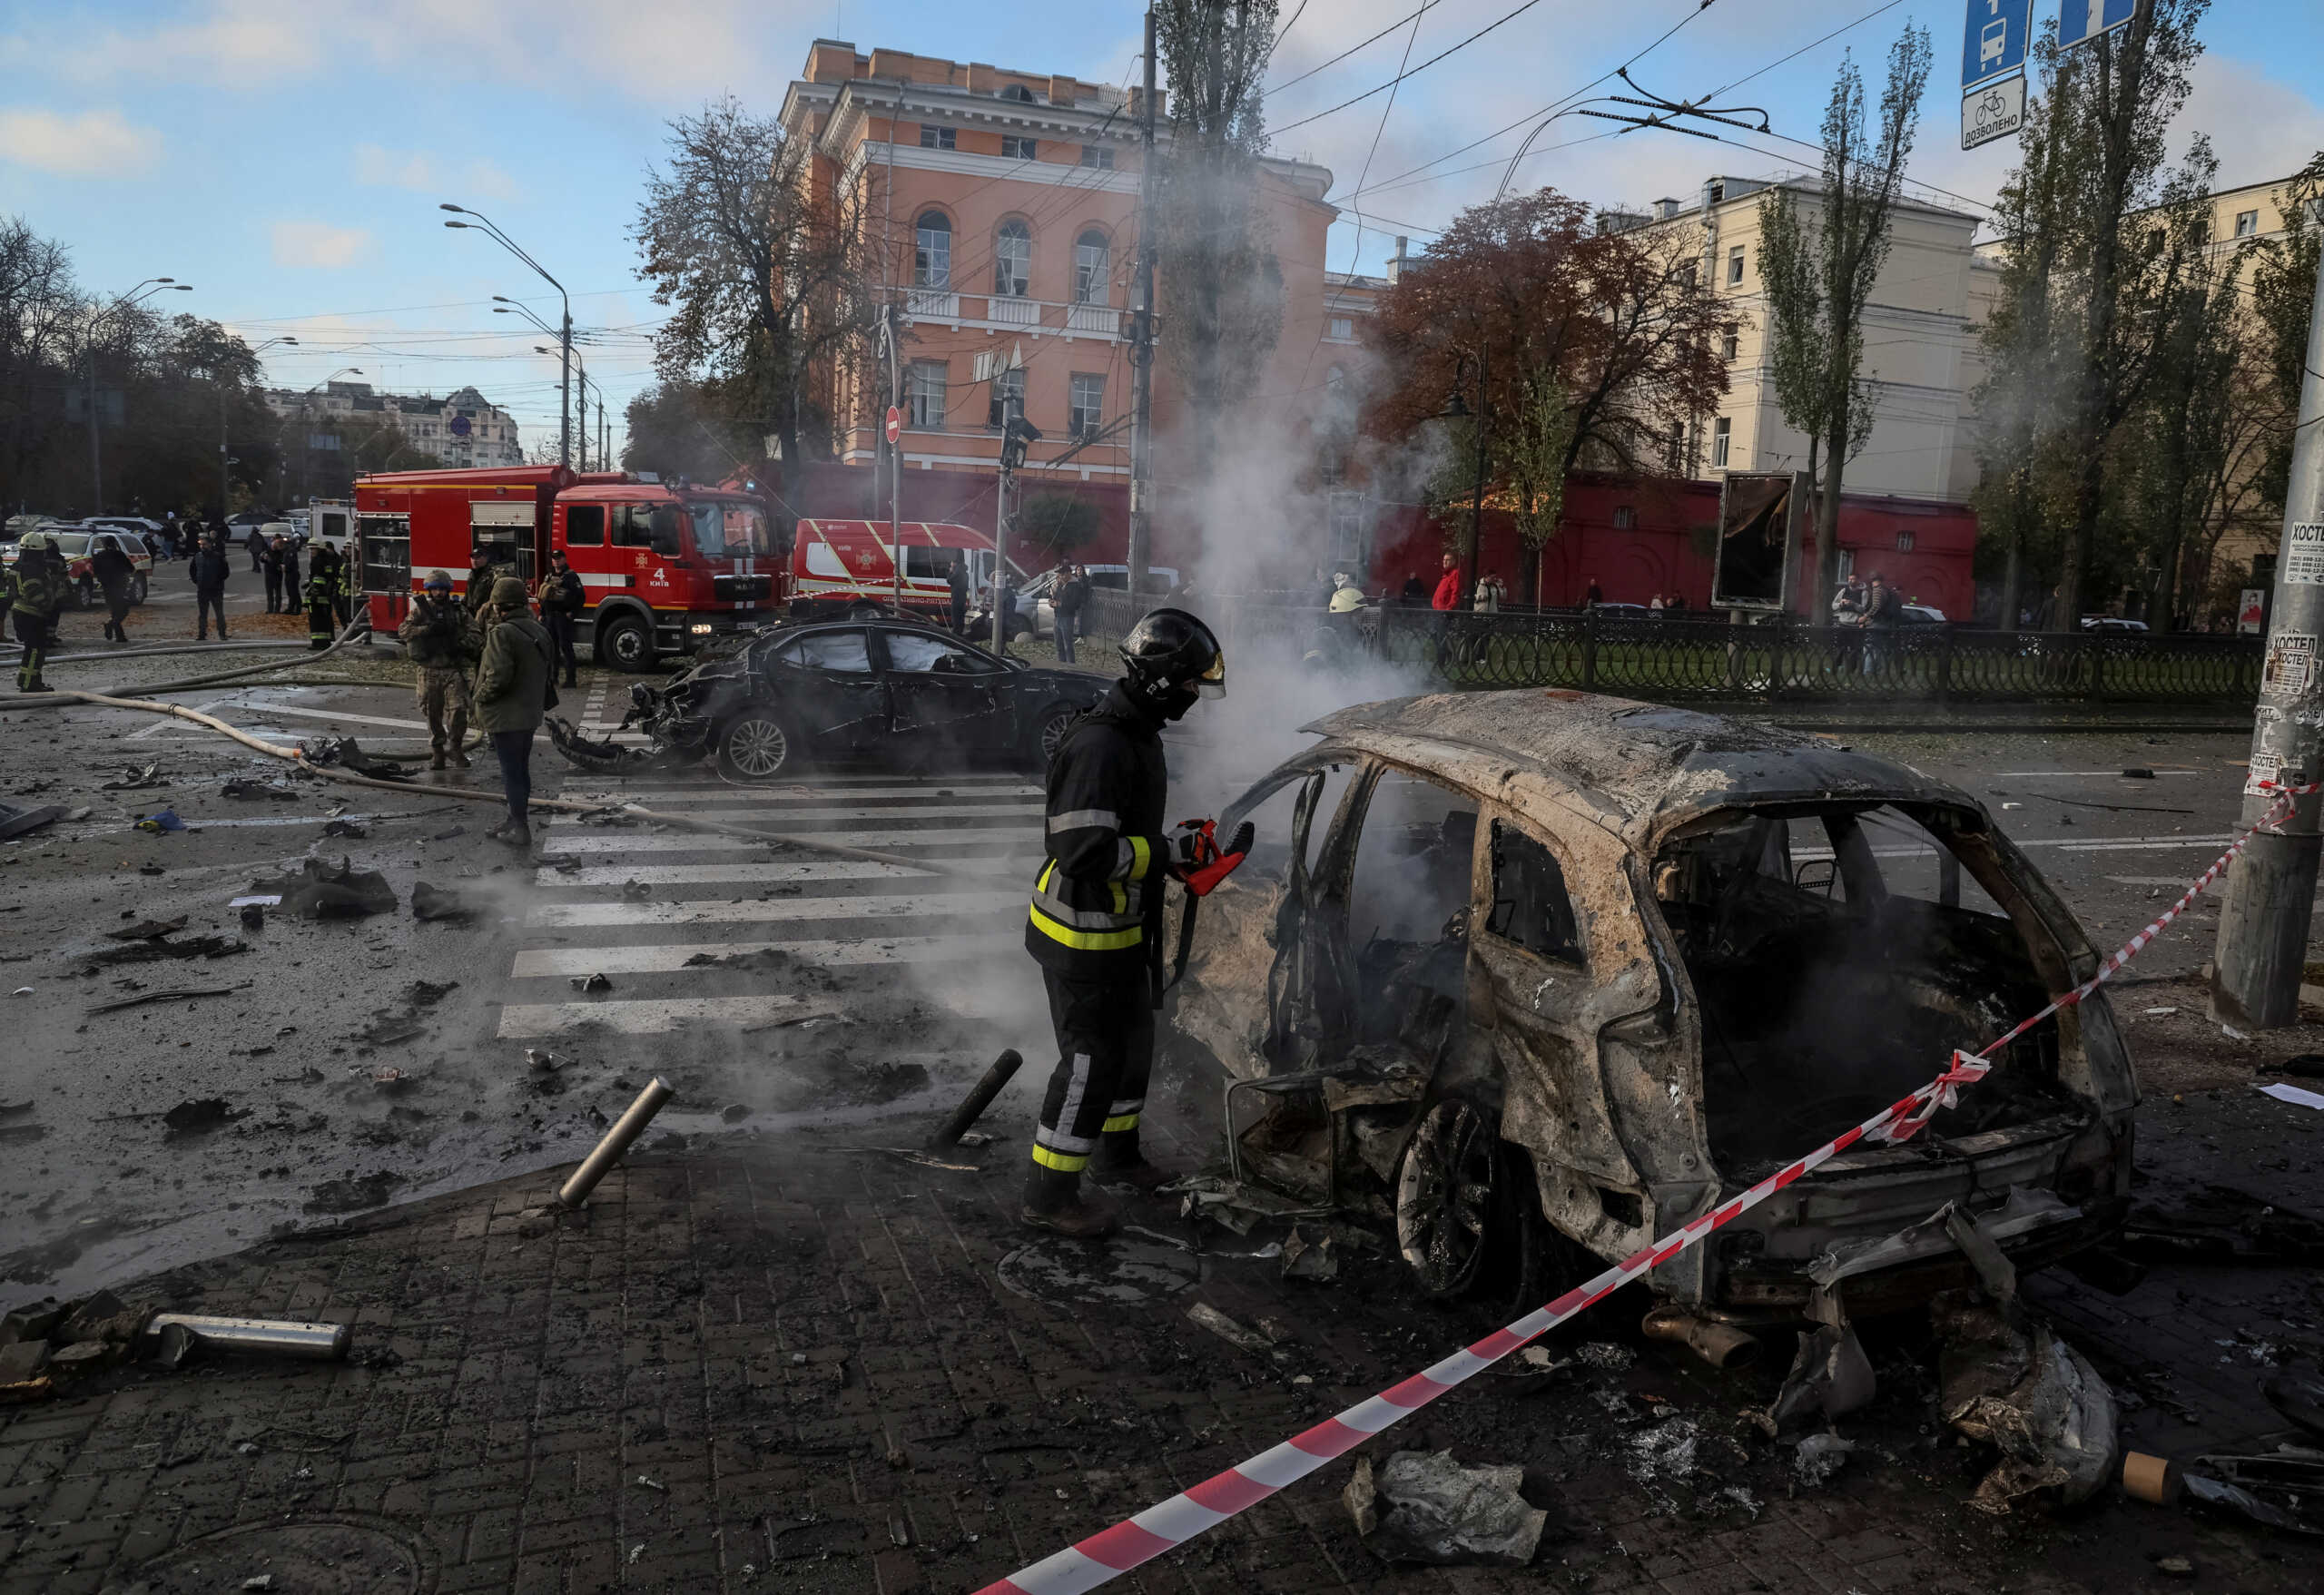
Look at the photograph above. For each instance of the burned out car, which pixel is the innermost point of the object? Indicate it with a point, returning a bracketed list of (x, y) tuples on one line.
[(800, 694), (1545, 974)]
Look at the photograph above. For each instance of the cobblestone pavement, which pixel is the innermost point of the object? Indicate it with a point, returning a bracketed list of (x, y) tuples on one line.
[(788, 1364)]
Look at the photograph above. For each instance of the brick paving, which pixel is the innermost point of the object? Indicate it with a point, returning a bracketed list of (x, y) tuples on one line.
[(783, 1365)]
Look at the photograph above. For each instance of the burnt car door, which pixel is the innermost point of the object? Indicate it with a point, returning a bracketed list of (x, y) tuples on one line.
[(824, 684), (941, 689)]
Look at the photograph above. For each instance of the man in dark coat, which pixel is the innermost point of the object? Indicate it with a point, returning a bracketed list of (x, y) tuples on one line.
[(115, 574), (209, 569)]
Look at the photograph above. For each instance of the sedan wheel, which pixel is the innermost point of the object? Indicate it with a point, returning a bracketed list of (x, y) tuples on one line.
[(754, 748), (1445, 1196), (1050, 736)]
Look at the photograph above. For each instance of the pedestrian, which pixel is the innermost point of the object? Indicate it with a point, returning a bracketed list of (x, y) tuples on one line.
[(1490, 593), (1884, 611), (1654, 605), (956, 583), (41, 589), (1448, 586), (1593, 595), (1095, 921), (292, 586), (113, 572), (256, 544), (1414, 592), (209, 571), (1072, 595), (274, 553), (439, 640), (482, 574), (562, 598), (322, 594), (516, 686)]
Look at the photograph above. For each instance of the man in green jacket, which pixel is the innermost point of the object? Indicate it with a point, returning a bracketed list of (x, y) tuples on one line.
[(513, 683), (41, 589)]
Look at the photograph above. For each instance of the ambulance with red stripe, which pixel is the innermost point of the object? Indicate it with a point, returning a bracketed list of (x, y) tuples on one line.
[(849, 567)]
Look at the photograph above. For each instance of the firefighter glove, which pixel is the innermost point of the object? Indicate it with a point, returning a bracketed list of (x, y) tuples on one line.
[(1200, 861)]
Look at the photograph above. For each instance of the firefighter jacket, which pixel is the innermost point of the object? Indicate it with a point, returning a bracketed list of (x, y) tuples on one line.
[(322, 583), (1097, 909), (438, 635), (43, 587)]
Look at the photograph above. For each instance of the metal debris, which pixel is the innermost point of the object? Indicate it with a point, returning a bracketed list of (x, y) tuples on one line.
[(1226, 1329), (1426, 1508)]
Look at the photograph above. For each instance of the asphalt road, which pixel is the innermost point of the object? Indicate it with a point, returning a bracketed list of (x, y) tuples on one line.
[(771, 987)]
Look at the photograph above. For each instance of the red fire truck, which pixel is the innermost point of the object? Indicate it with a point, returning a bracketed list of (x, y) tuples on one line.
[(665, 564)]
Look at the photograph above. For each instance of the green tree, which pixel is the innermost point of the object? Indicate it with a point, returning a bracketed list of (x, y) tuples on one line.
[(702, 430), (1219, 284), (1057, 524), (2283, 289), (1818, 266)]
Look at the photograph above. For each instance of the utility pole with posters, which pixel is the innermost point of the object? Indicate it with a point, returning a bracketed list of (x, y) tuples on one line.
[(1141, 344), (892, 429), (2263, 925), (1015, 432)]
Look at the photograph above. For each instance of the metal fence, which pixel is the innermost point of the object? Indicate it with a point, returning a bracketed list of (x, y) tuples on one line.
[(1709, 658)]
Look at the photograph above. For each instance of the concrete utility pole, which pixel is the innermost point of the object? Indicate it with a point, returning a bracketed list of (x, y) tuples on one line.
[(2263, 926), (1141, 344), (892, 342)]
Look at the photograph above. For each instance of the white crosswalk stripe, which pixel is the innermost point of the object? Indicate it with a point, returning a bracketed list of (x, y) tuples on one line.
[(678, 920)]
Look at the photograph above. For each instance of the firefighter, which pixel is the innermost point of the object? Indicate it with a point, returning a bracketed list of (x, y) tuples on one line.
[(1095, 923), (323, 580), (443, 644), (41, 589), (342, 598)]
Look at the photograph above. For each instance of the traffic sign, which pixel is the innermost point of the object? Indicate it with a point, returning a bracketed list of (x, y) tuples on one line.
[(1992, 112), (2081, 21), (895, 423), (1994, 39)]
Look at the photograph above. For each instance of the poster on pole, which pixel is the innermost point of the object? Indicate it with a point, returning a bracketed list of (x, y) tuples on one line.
[(2252, 612), (2081, 21), (2303, 565), (1759, 539), (1994, 41), (1994, 111)]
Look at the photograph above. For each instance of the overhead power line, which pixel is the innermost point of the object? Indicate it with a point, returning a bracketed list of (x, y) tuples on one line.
[(1415, 71), (1352, 49)]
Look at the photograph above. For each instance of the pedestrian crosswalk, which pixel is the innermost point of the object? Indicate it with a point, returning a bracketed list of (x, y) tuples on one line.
[(701, 929)]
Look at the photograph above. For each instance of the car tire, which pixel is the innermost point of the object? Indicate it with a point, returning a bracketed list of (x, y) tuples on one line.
[(757, 747), (1048, 730), (1447, 1194), (87, 594), (137, 590), (625, 643)]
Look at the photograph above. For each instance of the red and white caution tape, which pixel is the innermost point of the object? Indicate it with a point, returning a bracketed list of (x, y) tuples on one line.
[(1107, 1555)]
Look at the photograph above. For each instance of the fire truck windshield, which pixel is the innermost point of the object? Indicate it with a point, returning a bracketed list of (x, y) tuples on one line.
[(727, 530)]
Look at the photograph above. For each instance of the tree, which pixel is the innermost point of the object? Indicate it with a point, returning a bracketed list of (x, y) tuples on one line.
[(767, 277), (2283, 289), (1819, 269), (1057, 524), (1591, 344), (680, 428), (1220, 285)]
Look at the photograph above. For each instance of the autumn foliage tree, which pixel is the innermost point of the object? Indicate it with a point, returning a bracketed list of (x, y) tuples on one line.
[(1581, 348)]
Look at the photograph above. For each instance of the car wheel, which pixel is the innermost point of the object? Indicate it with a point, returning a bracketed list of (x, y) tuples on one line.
[(623, 643), (1049, 734), (137, 591), (88, 595), (1446, 1196), (755, 747)]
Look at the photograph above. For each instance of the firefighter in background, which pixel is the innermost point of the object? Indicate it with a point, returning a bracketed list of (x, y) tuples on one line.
[(444, 646), (42, 588), (1095, 924), (342, 598), (324, 579)]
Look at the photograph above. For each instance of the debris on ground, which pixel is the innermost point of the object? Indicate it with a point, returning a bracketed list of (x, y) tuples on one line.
[(1663, 1451), (1831, 1377), (1605, 1355), (143, 998), (2298, 1396), (352, 830), (1818, 1457), (2293, 1095), (912, 1154), (435, 903), (634, 890), (2282, 1488), (197, 1113), (250, 790), (1309, 1256), (2006, 1379), (344, 751), (591, 983), (253, 916), (157, 946), (147, 930), (1424, 1506), (1226, 1329), (158, 823), (16, 821), (131, 778), (321, 892), (2222, 1225), (542, 1061)]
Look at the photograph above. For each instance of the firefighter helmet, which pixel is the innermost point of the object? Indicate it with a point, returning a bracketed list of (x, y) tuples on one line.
[(1170, 658), (32, 542)]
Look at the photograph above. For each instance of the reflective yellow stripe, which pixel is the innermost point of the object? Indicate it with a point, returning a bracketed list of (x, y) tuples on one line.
[(1121, 896), (1141, 855), (1120, 1121), (1063, 1162), (1087, 940)]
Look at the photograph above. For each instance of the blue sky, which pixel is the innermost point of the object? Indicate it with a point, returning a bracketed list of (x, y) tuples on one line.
[(286, 157)]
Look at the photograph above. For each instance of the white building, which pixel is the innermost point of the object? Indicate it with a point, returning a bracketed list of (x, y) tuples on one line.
[(463, 430)]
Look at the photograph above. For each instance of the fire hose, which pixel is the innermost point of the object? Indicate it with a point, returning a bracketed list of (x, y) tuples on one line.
[(1127, 1544)]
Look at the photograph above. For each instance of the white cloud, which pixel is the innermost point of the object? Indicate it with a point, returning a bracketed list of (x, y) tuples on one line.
[(94, 143), (423, 173), (320, 244), (2261, 127)]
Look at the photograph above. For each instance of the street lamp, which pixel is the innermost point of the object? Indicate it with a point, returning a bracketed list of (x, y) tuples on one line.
[(503, 306), (150, 286), (485, 225), (223, 461), (307, 439)]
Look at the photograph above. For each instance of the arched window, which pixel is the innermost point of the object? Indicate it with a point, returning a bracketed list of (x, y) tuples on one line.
[(931, 260), (1093, 259), (1012, 260)]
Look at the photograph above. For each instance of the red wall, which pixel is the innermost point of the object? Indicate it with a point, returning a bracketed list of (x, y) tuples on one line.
[(1656, 553)]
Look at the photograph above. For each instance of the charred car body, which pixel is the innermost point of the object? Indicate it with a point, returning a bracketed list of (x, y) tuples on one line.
[(1546, 973), (802, 694)]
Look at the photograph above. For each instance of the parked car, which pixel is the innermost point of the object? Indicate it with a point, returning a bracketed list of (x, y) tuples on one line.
[(1034, 599), (1580, 968), (77, 544), (802, 694), (2112, 622)]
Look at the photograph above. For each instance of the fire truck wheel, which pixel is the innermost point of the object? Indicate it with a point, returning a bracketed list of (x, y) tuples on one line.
[(755, 747), (624, 643)]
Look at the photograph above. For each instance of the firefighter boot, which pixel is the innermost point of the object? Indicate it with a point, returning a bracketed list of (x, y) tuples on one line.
[(1119, 1162), (1055, 1201), (459, 740)]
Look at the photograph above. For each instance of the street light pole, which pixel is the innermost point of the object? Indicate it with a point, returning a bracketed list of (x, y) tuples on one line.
[(224, 482), (2263, 926), (307, 438), (152, 286), (1141, 344), (490, 229)]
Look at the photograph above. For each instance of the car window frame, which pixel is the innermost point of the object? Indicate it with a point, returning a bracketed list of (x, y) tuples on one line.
[(1491, 821), (987, 666), (873, 662)]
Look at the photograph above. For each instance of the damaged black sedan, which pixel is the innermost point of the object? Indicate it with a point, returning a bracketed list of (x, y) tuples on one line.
[(811, 693)]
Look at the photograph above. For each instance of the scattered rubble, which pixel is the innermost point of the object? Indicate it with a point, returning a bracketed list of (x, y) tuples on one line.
[(435, 902), (1226, 1329), (321, 892), (2008, 1380), (345, 752), (198, 1113), (1424, 1507), (1818, 1457)]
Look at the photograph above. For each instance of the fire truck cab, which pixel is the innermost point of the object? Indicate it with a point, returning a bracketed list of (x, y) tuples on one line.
[(666, 565)]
